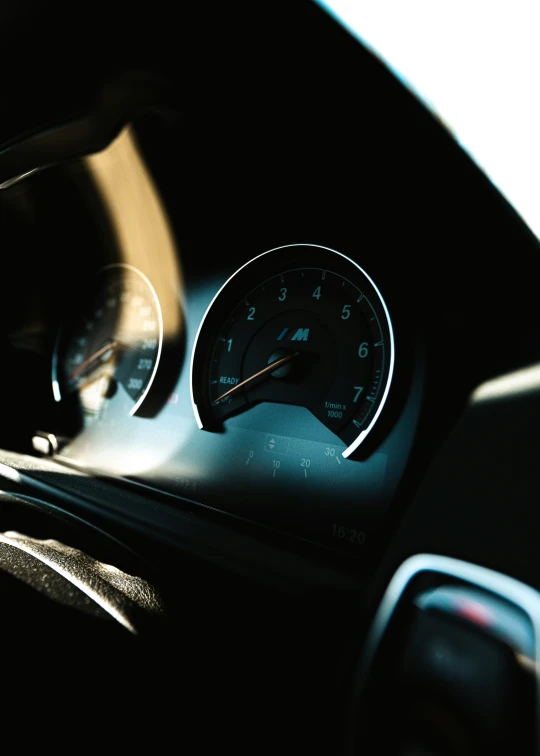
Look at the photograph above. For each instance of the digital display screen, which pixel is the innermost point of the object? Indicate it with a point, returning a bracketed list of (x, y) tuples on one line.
[(275, 465)]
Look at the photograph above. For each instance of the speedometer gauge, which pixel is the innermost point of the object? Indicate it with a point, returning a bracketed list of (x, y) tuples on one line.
[(111, 350), (302, 325)]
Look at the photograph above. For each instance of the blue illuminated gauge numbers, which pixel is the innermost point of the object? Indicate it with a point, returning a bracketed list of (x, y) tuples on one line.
[(301, 325)]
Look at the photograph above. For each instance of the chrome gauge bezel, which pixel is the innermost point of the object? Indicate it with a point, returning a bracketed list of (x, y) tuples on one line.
[(123, 269), (247, 278)]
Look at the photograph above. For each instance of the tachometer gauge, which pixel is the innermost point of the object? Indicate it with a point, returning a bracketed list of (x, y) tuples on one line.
[(302, 325), (111, 349)]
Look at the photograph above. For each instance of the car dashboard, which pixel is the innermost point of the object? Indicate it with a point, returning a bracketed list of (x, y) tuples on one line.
[(260, 348)]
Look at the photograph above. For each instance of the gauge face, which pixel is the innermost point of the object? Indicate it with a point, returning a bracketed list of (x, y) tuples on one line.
[(301, 325), (111, 349)]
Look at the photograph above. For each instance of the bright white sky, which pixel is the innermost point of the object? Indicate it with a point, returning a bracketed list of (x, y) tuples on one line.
[(477, 63)]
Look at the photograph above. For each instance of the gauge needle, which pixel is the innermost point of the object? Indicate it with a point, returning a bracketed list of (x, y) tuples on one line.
[(111, 345), (268, 369)]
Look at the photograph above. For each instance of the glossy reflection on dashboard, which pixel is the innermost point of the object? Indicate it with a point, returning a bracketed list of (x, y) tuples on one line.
[(122, 348), (139, 220)]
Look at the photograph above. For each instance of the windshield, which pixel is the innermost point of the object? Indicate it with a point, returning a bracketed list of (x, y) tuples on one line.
[(477, 66)]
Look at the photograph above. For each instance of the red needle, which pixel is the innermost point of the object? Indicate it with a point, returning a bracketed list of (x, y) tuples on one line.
[(93, 357), (268, 369)]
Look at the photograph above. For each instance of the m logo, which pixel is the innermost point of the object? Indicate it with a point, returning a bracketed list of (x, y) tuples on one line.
[(289, 334)]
